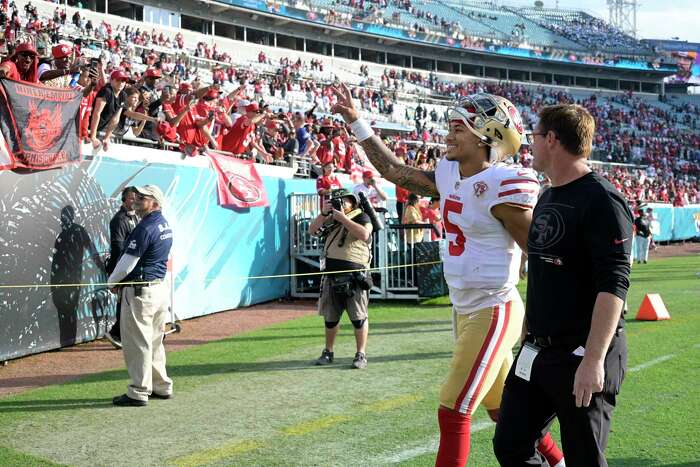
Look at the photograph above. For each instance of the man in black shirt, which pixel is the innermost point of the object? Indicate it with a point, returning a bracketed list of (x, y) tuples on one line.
[(642, 237), (108, 100), (574, 355), (121, 225)]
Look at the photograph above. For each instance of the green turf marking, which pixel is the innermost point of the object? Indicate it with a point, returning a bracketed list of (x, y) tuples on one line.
[(212, 455)]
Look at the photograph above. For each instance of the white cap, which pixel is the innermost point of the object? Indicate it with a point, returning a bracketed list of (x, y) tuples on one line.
[(154, 192)]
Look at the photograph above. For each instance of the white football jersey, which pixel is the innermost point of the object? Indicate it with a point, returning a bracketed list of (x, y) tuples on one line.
[(481, 261)]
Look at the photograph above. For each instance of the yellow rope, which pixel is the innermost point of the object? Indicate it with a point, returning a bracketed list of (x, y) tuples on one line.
[(277, 276)]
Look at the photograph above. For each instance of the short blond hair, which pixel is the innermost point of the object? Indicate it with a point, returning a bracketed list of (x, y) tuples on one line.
[(573, 125)]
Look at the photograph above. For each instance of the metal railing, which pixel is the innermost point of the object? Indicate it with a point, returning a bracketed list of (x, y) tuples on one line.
[(395, 258)]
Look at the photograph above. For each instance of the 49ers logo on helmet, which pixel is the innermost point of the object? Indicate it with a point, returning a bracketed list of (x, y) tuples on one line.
[(243, 189), (517, 121)]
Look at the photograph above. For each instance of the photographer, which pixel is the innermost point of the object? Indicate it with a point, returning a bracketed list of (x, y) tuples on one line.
[(347, 234)]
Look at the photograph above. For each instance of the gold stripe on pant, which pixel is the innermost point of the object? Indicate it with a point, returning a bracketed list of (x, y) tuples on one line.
[(482, 356)]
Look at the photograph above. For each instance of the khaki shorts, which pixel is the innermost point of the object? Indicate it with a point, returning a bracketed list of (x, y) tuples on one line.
[(331, 305)]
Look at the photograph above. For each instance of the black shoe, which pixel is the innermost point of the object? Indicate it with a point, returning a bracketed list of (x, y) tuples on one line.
[(114, 339), (126, 401), (160, 396), (360, 361), (325, 358)]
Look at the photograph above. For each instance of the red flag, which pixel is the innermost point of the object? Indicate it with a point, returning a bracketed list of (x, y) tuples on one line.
[(239, 184), (39, 124)]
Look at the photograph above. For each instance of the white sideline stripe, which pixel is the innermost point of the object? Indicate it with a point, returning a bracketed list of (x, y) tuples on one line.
[(653, 362), (430, 447)]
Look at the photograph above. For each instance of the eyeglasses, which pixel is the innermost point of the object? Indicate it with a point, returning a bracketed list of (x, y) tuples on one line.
[(25, 55), (142, 197), (530, 137)]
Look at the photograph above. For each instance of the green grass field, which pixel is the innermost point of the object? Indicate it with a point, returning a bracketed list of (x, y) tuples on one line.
[(254, 399)]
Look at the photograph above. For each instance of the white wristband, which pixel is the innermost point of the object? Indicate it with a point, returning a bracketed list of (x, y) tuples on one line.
[(361, 130)]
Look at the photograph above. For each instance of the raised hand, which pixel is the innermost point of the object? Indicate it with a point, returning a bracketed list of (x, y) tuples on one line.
[(344, 106)]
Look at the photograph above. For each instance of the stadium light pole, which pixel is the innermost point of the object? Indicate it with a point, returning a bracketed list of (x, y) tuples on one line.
[(623, 15)]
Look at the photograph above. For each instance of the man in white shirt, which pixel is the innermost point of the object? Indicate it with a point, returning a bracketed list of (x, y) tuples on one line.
[(369, 187)]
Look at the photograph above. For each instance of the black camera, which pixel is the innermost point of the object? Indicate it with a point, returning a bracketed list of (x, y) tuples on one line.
[(337, 204)]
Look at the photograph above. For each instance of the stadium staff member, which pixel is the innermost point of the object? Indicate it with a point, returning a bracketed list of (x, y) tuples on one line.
[(347, 247), (120, 227), (145, 304), (573, 359)]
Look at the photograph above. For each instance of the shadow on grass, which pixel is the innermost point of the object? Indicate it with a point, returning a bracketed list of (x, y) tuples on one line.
[(53, 405), (203, 369)]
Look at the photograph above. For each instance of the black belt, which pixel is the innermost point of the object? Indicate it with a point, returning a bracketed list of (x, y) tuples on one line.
[(556, 341)]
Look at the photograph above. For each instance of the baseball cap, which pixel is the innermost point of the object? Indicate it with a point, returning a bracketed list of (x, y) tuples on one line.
[(212, 93), (368, 174), (152, 191), (272, 125), (25, 47), (252, 107), (153, 73), (61, 51), (184, 88), (120, 75)]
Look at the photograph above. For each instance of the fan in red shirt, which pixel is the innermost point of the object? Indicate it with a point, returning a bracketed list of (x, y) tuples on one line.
[(192, 129), (22, 64), (326, 183), (241, 136), (431, 214), (325, 153)]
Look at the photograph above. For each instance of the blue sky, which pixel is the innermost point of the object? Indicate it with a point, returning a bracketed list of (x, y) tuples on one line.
[(656, 19)]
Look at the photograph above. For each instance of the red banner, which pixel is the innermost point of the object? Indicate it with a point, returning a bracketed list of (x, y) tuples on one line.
[(39, 125), (239, 184)]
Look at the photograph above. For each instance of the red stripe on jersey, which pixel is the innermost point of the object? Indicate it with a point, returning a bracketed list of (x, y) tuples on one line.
[(511, 181), (519, 190), (520, 205)]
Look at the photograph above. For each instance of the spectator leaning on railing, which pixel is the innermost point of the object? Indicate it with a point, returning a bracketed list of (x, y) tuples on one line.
[(108, 101)]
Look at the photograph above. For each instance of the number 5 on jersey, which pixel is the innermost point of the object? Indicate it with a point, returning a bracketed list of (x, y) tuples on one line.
[(456, 246)]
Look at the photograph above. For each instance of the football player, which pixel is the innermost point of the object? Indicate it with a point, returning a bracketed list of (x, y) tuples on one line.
[(486, 208)]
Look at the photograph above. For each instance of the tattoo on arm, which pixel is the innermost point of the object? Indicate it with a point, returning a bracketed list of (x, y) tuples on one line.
[(417, 181)]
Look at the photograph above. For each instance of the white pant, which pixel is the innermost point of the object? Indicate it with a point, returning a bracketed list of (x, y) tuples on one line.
[(142, 326), (641, 245)]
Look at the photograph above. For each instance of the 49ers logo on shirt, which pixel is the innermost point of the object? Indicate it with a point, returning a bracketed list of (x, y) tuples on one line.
[(243, 189), (480, 188)]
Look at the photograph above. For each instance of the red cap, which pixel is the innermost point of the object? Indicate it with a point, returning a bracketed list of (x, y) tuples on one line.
[(153, 73), (213, 93), (184, 88), (272, 125), (61, 51), (368, 174), (25, 47), (252, 107), (119, 74)]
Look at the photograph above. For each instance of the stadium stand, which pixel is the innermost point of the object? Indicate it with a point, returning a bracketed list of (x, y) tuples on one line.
[(656, 143)]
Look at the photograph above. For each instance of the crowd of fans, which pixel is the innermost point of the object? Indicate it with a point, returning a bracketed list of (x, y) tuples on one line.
[(160, 97)]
